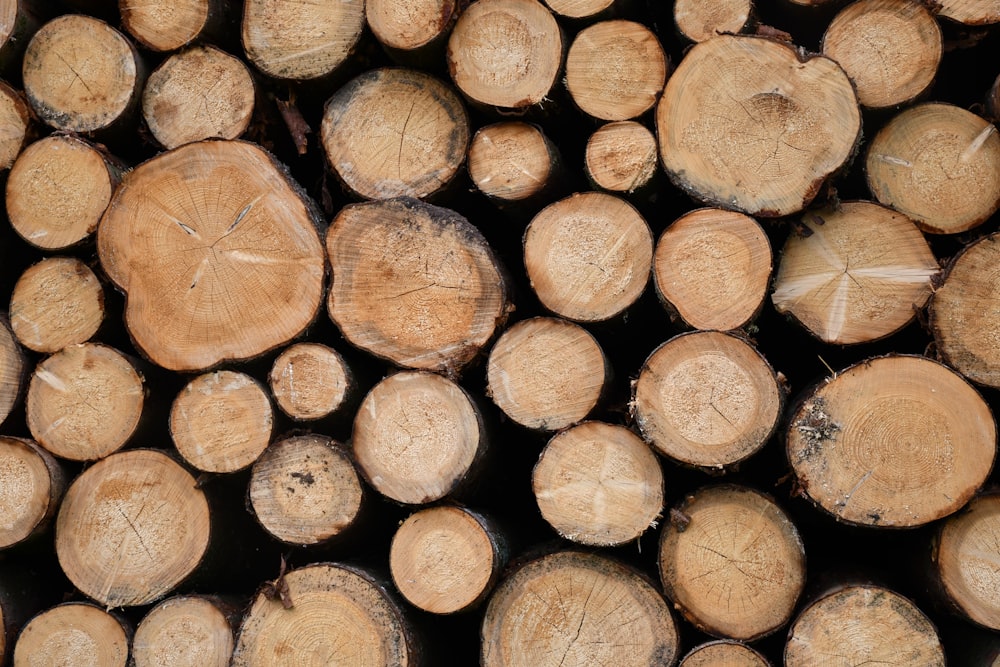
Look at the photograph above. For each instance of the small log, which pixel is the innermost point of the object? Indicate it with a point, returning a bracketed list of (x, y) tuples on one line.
[(58, 189), (221, 422), (395, 132), (74, 633), (304, 490), (621, 157), (15, 119), (939, 165), (969, 12), (339, 612), (84, 402), (446, 559), (82, 75), (185, 631), (855, 273), (12, 369), (310, 381), (723, 652), (699, 20), (707, 399), (588, 256), (577, 608), (415, 284), (615, 70), (580, 9), (417, 437), (287, 39), (199, 93), (31, 485), (861, 624), (505, 53), (598, 484), (744, 124), (131, 528), (891, 49), (167, 25), (224, 243), (546, 373), (894, 441), (713, 267), (412, 30), (56, 303), (513, 162)]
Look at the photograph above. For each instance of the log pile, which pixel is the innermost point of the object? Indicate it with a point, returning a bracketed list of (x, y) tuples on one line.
[(417, 332)]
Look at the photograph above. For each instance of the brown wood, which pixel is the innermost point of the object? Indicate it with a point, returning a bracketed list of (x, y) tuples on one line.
[(447, 559), (84, 402), (513, 161), (579, 9), (185, 631), (724, 652), (939, 165), (395, 132), (546, 373), (713, 267), (969, 12), (893, 441), (621, 157), (12, 369), (415, 284), (588, 256), (221, 422), (408, 26), (199, 93), (855, 273), (167, 25), (863, 624), (217, 235), (131, 528), (74, 633), (699, 20), (707, 399), (744, 124), (598, 484), (304, 490), (15, 120), (577, 608), (417, 437), (56, 303), (310, 381), (31, 485)]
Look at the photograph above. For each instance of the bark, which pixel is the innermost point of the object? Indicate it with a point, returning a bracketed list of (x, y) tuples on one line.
[(168, 25), (56, 303)]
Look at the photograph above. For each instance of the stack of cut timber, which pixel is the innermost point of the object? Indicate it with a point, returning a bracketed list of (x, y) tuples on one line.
[(501, 332)]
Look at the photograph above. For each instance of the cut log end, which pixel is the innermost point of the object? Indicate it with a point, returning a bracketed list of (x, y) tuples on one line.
[(579, 9), (621, 156), (407, 25), (164, 25), (699, 20), (56, 303), (31, 486), (74, 633), (511, 161), (310, 381), (185, 631), (15, 118), (965, 556)]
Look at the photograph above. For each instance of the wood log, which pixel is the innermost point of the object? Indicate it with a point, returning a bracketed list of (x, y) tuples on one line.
[(31, 485), (310, 381), (15, 121), (412, 31), (56, 303), (84, 402), (167, 25), (578, 607), (621, 157), (744, 125), (855, 273), (304, 490), (588, 256), (939, 165), (598, 484), (221, 422), (13, 366), (199, 93), (215, 234), (893, 441), (699, 20), (969, 13), (131, 528), (863, 624), (185, 631), (74, 633), (447, 559), (712, 268), (395, 132), (723, 652), (513, 161), (706, 399)]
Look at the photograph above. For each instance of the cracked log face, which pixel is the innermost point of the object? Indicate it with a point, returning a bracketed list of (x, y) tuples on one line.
[(746, 125), (217, 252), (893, 441)]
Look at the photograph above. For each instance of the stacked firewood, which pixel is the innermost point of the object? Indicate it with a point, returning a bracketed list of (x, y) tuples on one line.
[(585, 332)]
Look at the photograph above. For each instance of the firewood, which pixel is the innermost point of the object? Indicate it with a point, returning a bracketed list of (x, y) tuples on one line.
[(546, 373), (304, 490), (939, 165), (84, 402), (216, 235), (413, 283), (446, 559), (513, 161), (723, 652), (13, 366), (744, 124), (580, 9), (131, 528), (310, 381), (577, 608), (167, 25), (199, 93), (893, 441), (409, 29), (699, 20), (15, 119), (418, 437), (185, 631), (707, 399), (621, 157), (56, 303), (31, 485), (734, 565), (855, 273), (598, 484), (588, 256), (221, 422), (713, 268), (969, 13), (74, 633), (395, 132), (58, 189), (863, 624)]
